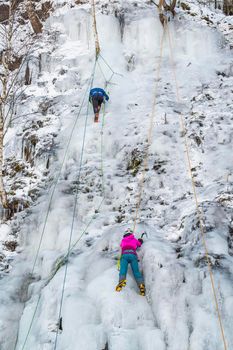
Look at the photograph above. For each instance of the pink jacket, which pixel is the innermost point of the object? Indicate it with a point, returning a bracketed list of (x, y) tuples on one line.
[(129, 244)]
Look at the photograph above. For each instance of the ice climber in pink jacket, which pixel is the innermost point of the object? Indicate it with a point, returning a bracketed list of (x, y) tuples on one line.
[(129, 244)]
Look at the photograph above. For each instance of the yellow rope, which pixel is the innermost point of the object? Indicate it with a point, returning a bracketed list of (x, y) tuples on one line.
[(199, 212), (97, 44), (149, 139)]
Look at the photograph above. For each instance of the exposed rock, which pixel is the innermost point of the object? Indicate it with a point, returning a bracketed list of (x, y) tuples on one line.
[(228, 7), (135, 161), (13, 62), (34, 19), (45, 105), (18, 204), (10, 245), (158, 166), (81, 2), (29, 144), (206, 18), (4, 12), (45, 11), (120, 15), (185, 6)]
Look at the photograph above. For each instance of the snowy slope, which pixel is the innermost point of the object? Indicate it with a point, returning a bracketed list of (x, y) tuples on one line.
[(179, 310)]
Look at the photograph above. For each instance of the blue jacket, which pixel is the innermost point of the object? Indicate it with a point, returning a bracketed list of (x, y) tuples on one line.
[(99, 91)]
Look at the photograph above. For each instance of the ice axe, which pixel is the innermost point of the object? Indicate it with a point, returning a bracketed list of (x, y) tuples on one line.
[(144, 234)]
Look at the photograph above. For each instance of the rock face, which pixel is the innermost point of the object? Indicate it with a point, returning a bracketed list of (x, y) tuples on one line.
[(228, 7), (36, 14), (14, 62), (4, 12)]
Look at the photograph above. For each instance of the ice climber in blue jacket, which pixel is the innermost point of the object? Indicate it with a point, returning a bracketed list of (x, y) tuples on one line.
[(97, 97)]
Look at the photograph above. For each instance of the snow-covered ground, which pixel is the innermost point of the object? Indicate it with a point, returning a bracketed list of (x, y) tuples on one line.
[(178, 311)]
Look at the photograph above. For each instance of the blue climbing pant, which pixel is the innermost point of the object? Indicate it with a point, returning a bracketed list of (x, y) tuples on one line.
[(133, 261)]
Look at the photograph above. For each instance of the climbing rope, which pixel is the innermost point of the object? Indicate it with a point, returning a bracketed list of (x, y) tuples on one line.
[(199, 211), (101, 70), (51, 198), (60, 170), (63, 259), (70, 248), (149, 137), (73, 216), (108, 65), (78, 181)]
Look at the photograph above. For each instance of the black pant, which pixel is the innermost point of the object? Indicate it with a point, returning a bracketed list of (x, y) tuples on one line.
[(97, 100)]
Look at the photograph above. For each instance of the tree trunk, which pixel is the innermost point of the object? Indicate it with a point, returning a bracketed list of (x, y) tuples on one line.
[(97, 46), (3, 195), (166, 6), (34, 19)]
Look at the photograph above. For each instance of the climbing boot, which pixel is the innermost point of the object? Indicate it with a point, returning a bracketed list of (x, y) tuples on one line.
[(120, 285), (142, 289), (96, 118)]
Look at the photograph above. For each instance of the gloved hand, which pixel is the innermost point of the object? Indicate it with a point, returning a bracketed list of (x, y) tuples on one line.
[(140, 240), (119, 263)]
